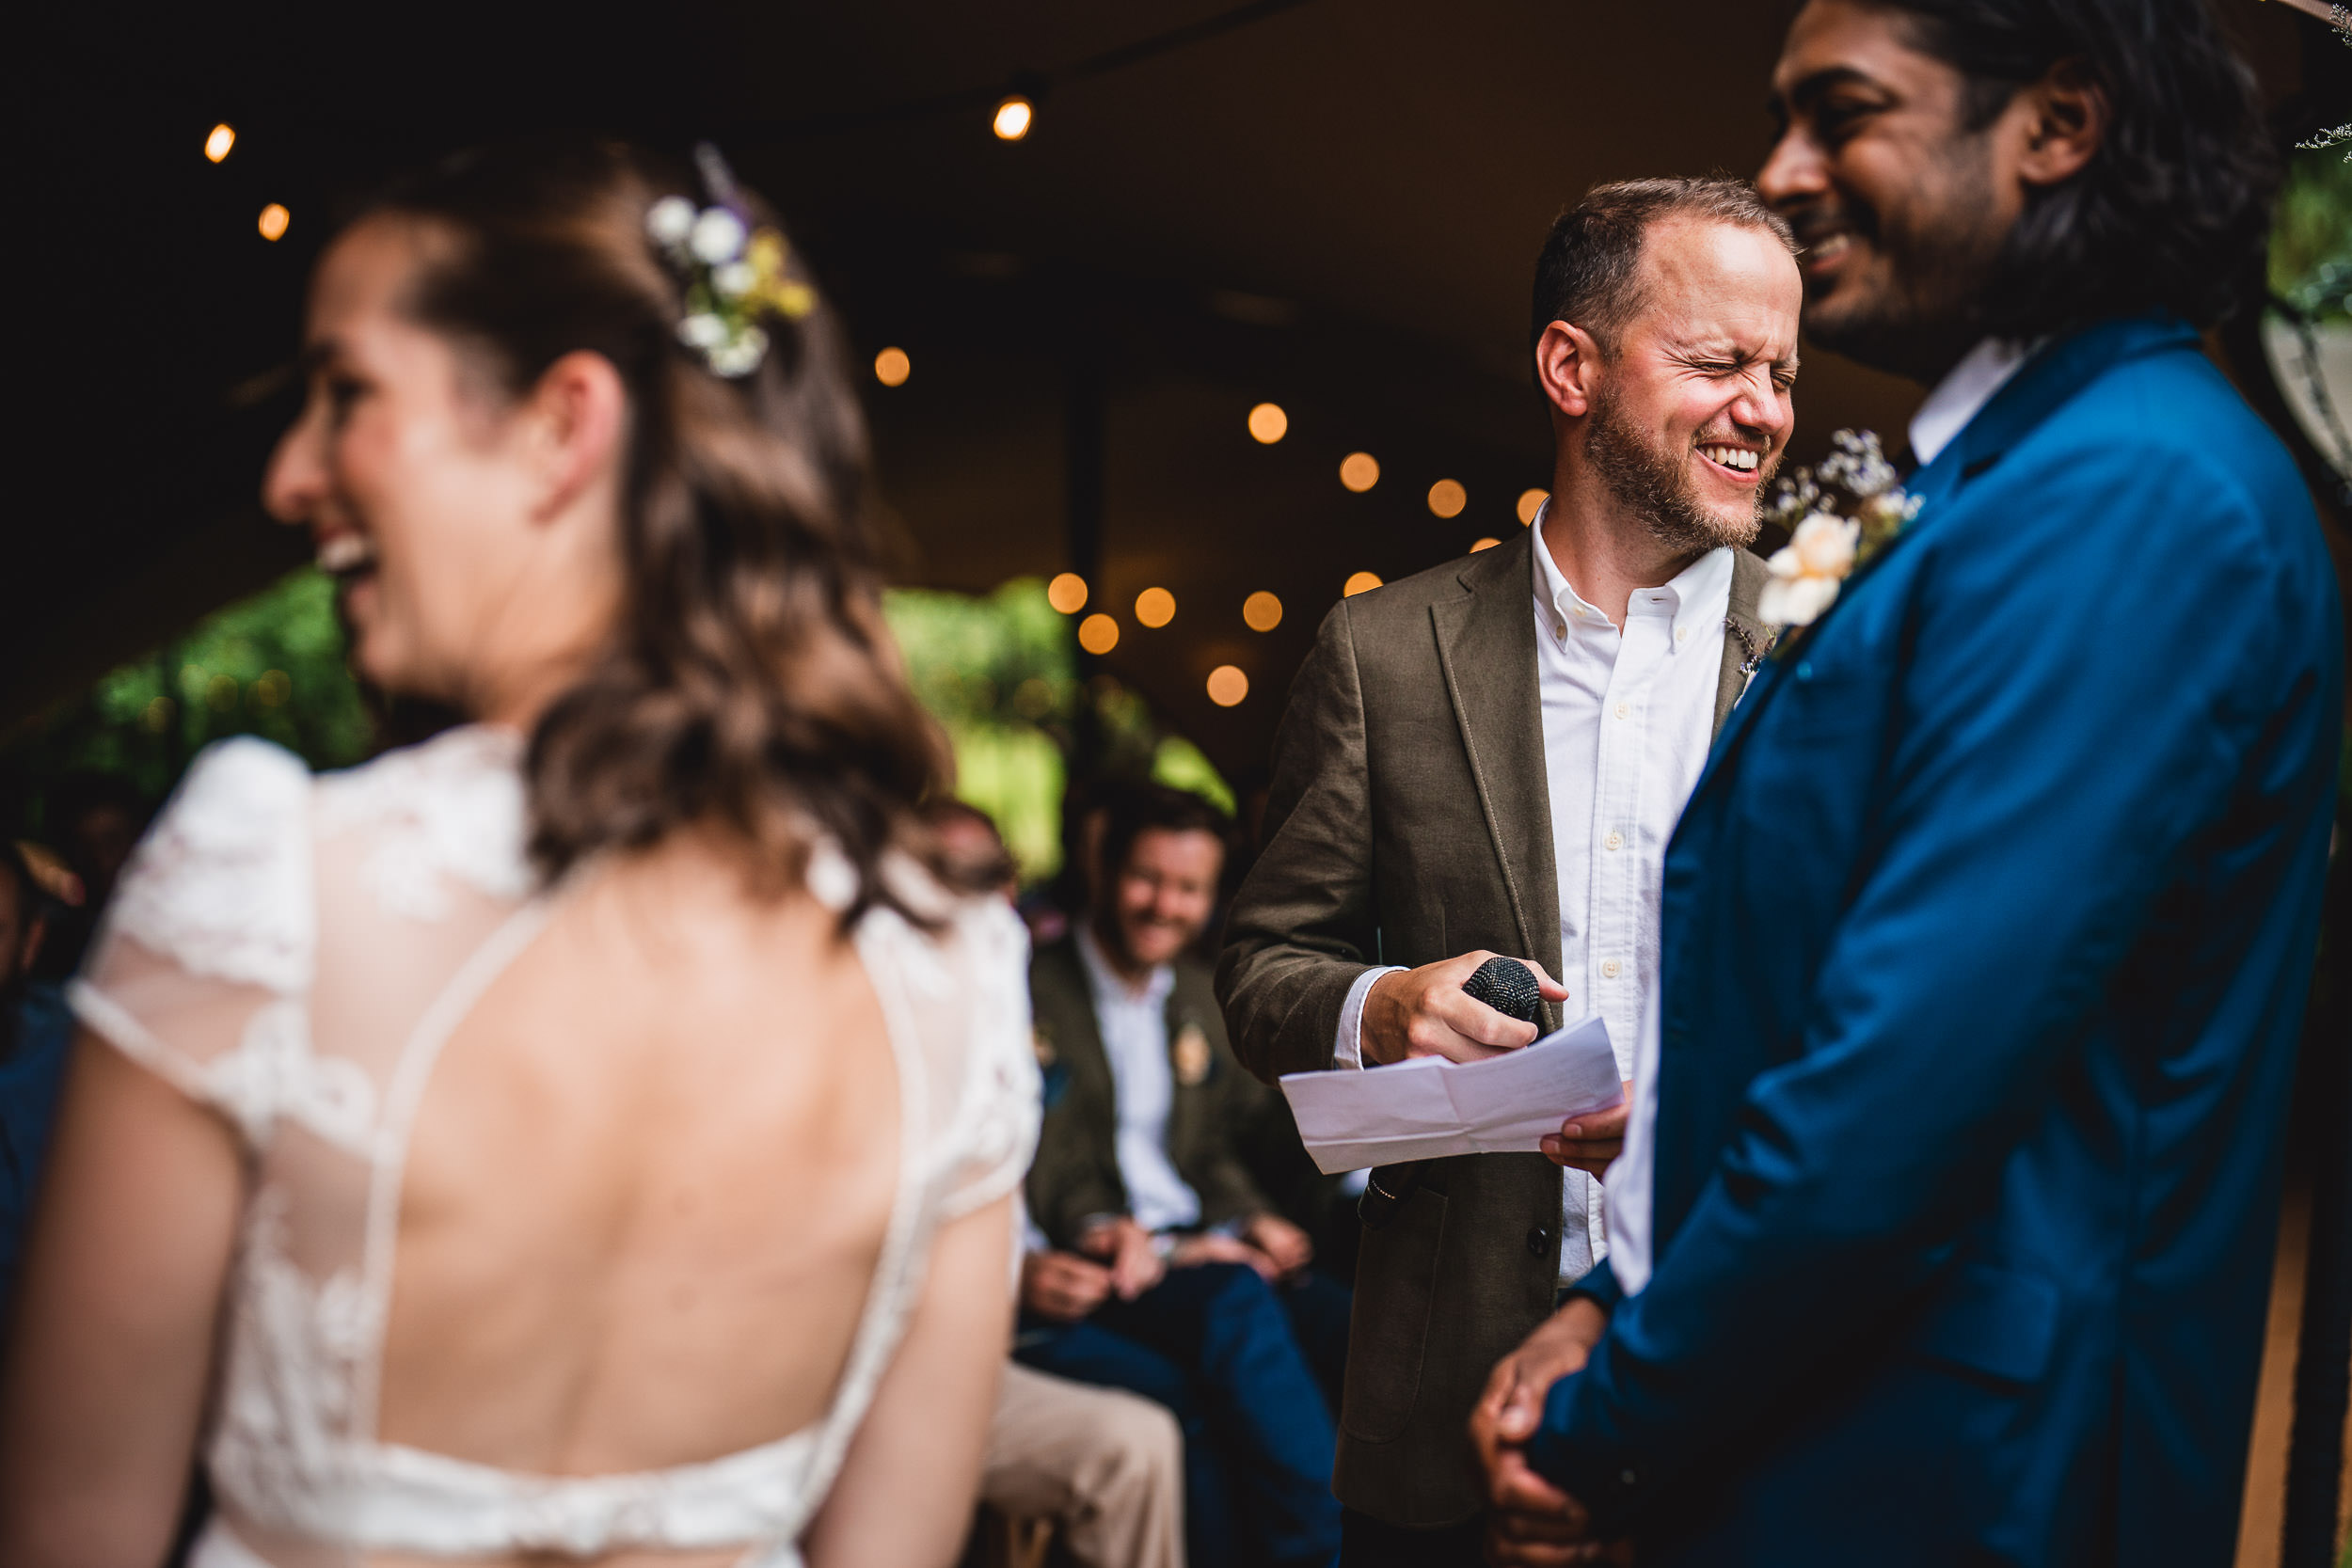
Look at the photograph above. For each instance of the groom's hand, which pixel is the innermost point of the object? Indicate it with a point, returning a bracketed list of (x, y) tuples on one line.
[(1530, 1521), (1423, 1012), (1590, 1143)]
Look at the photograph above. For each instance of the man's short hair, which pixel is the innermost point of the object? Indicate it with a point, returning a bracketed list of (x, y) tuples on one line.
[(2174, 209), (1589, 271), (1135, 810)]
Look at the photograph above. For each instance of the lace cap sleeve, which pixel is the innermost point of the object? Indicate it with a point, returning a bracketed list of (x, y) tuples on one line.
[(208, 944), (996, 1120)]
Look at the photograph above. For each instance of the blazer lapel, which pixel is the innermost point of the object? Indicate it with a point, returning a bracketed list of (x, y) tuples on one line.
[(1487, 650), (1745, 639)]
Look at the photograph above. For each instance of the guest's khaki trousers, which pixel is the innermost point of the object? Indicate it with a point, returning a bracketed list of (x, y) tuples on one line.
[(1108, 1466)]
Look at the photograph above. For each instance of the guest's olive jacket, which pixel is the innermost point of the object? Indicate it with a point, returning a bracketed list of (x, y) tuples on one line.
[(1076, 1176), (1409, 820)]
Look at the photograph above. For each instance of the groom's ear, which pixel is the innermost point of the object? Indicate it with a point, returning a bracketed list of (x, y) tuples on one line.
[(1566, 360), (2063, 120)]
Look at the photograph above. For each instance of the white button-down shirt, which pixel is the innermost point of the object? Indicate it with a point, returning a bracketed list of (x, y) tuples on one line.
[(1632, 1180), (1627, 714), (1134, 1026)]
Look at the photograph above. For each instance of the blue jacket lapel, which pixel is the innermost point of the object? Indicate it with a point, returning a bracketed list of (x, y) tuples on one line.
[(2039, 389)]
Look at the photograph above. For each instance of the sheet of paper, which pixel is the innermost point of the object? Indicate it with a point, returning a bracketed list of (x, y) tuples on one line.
[(1426, 1106)]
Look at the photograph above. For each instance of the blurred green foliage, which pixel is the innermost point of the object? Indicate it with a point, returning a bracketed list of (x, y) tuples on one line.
[(271, 665), (2310, 243), (999, 672)]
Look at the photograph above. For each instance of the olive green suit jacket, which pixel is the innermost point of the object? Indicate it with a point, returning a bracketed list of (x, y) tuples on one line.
[(1409, 820), (1075, 1175)]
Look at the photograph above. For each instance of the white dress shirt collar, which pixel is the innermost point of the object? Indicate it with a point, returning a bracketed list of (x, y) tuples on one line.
[(1110, 986), (1700, 594), (1966, 389)]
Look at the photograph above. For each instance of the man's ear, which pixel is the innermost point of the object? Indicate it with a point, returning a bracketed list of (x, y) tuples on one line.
[(576, 416), (2067, 119), (1566, 360)]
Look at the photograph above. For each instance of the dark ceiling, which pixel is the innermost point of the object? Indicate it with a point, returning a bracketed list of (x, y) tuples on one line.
[(1333, 206)]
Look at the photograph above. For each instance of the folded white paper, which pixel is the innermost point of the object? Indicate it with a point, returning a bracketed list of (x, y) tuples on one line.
[(1426, 1106)]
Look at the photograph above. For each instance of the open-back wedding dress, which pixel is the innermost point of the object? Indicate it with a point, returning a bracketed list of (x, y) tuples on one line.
[(228, 967)]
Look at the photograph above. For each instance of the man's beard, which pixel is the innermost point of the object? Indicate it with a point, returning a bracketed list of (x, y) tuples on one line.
[(1936, 265), (1655, 484)]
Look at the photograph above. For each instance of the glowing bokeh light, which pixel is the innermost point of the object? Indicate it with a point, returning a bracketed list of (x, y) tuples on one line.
[(1358, 471), (1156, 606), (1067, 593), (1012, 118), (1227, 685), (1261, 611), (892, 367), (1487, 543), (1098, 633), (1531, 502), (1268, 423), (216, 146), (273, 221), (1361, 583), (1447, 498)]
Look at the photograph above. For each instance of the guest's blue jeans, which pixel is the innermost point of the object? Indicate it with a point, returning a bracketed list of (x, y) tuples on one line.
[(1216, 1345)]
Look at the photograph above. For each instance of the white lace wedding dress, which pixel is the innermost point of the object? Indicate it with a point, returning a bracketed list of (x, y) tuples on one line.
[(226, 966)]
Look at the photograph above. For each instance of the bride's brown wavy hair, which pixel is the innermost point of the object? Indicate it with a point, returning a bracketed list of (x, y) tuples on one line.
[(749, 683)]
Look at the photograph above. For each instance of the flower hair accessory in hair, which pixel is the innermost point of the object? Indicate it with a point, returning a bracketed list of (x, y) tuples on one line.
[(733, 273)]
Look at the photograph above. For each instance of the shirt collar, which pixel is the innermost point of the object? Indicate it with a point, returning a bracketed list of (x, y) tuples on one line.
[(1106, 982), (1966, 387), (1700, 593)]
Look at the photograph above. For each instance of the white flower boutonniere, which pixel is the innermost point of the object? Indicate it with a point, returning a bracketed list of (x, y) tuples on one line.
[(1838, 517)]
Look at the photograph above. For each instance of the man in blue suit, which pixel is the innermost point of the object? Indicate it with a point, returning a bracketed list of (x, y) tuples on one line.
[(1944, 1227)]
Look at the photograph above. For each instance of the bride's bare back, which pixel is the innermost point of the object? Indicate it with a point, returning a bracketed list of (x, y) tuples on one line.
[(648, 1182), (591, 1221)]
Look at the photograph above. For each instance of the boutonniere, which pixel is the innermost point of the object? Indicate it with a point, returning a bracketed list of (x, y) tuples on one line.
[(1838, 516), (1191, 1052)]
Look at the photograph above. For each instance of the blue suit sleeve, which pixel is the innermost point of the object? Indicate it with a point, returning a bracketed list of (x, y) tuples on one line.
[(2077, 682)]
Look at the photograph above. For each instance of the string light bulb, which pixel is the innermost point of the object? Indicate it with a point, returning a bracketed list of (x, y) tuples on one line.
[(1531, 502), (1360, 472), (1098, 633), (1268, 423), (1447, 498), (1228, 686), (892, 367), (273, 222), (1486, 542), (1261, 611), (1156, 606), (1361, 583), (216, 146), (1012, 117), (1067, 593)]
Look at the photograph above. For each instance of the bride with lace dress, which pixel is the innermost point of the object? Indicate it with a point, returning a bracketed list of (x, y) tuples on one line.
[(588, 1136)]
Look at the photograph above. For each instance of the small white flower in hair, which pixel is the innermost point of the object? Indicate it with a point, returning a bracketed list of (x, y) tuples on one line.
[(733, 281), (717, 236), (671, 219), (702, 331)]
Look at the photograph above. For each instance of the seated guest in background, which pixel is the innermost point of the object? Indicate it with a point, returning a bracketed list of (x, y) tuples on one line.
[(1105, 1465), (1163, 1269), (35, 1029)]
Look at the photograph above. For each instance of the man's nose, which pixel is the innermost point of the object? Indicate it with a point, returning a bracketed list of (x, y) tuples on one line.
[(1794, 173)]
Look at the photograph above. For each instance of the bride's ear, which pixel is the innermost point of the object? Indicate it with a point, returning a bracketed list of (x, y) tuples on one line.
[(575, 422), (1565, 359)]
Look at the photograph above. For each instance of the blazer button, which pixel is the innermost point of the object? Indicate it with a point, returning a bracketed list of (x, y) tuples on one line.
[(1537, 1240)]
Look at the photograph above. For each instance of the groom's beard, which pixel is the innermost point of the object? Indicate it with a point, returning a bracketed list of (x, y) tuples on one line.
[(1654, 483)]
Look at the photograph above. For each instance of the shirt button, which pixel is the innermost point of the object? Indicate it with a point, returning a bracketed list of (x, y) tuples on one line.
[(1614, 841), (1625, 710), (1609, 969), (1537, 1240), (1682, 634)]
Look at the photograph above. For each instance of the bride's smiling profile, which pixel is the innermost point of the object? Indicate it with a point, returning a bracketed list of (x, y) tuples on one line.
[(593, 1130)]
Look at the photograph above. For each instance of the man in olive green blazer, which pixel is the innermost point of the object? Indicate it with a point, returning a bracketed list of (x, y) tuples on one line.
[(1446, 730)]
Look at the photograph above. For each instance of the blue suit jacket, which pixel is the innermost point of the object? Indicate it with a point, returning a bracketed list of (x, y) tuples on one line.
[(1987, 933)]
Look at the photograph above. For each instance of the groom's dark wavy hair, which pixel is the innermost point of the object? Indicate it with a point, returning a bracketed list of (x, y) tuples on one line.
[(2174, 210)]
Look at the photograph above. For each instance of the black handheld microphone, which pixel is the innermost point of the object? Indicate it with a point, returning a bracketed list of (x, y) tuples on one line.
[(1507, 986)]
